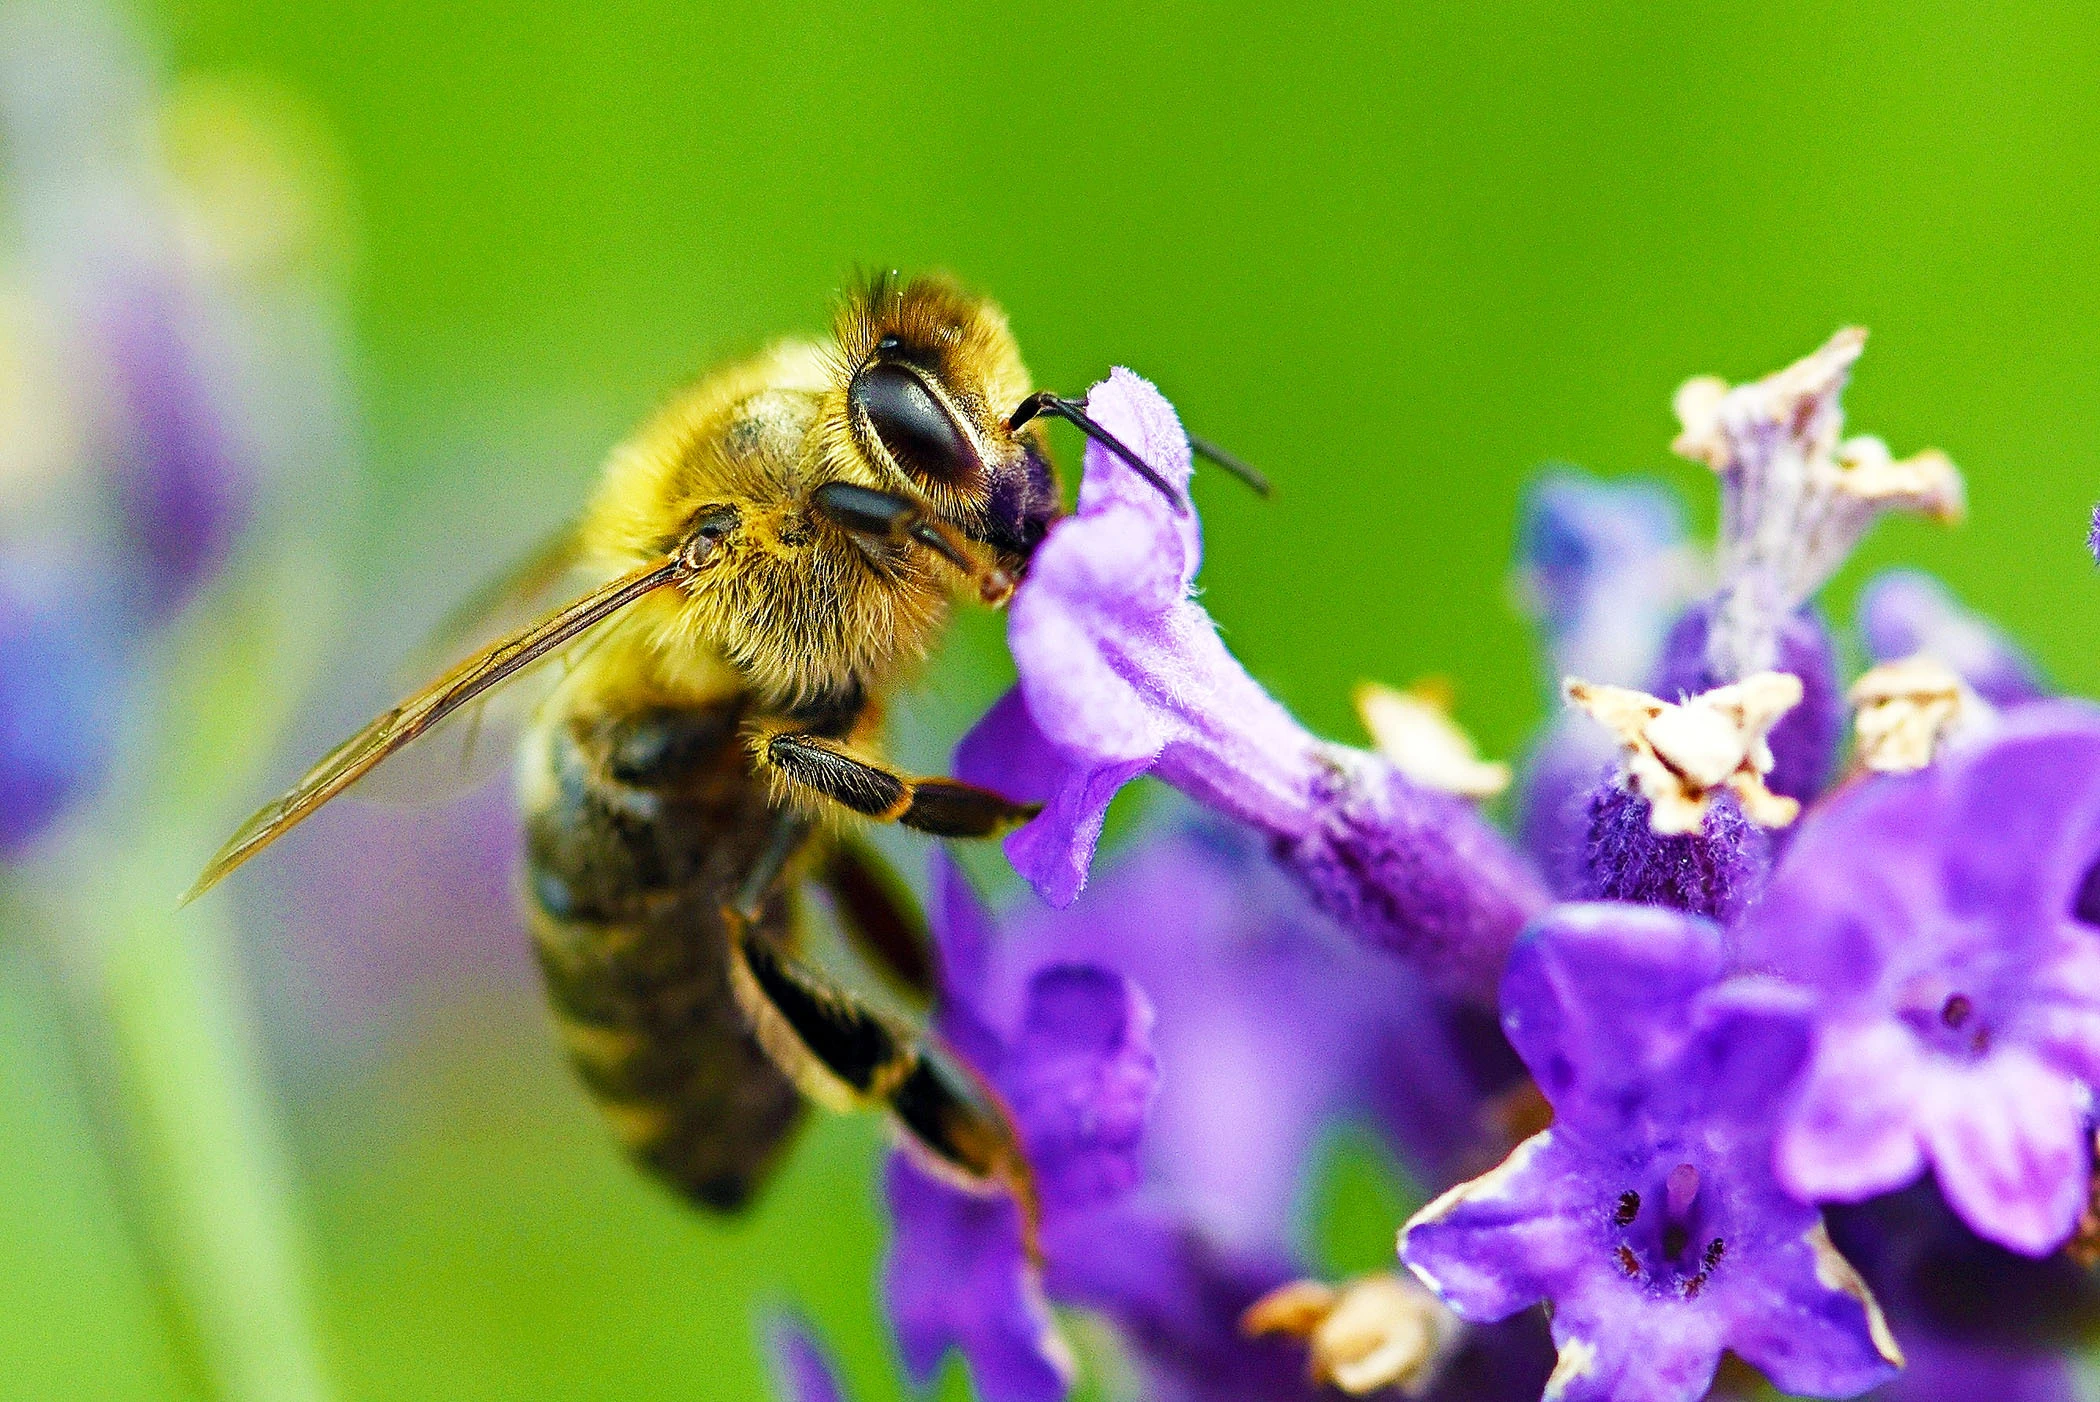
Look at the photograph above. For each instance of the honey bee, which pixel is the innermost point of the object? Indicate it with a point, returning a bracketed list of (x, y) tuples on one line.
[(773, 552)]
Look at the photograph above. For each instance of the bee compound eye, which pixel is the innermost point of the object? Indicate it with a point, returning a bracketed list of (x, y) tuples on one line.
[(917, 431)]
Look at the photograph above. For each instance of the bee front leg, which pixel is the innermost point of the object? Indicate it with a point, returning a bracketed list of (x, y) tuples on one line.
[(895, 521), (942, 807)]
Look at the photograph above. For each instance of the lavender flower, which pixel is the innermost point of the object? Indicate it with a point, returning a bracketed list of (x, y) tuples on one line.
[(1648, 1214), (1937, 917), (1122, 673)]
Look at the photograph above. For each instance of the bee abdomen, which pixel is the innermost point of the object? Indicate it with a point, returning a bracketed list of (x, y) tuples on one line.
[(636, 829)]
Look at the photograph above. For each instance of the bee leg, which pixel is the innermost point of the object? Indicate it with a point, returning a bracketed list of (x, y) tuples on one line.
[(942, 807), (845, 1055), (895, 520), (878, 914)]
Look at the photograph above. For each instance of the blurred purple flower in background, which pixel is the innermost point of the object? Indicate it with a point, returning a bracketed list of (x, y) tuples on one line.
[(1270, 1028)]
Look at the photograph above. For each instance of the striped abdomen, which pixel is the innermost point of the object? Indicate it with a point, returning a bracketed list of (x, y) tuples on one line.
[(637, 829)]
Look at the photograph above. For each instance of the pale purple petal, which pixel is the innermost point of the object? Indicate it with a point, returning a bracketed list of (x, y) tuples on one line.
[(2008, 1139), (1080, 1079), (1054, 851), (1931, 914), (1854, 1131), (957, 1277)]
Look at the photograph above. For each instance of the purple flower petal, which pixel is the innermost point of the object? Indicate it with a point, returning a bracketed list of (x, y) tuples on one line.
[(1596, 998), (2008, 1139), (957, 1277), (1932, 917), (1080, 1078), (1512, 1236), (1121, 670), (1649, 1216)]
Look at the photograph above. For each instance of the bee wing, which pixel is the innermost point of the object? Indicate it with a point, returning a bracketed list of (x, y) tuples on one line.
[(491, 667), (473, 742)]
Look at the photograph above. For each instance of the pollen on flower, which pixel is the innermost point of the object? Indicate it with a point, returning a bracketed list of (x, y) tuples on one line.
[(1904, 712), (1375, 1332), (1678, 755), (1414, 730)]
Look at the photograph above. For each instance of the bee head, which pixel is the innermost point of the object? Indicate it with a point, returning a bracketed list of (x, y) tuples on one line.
[(930, 376)]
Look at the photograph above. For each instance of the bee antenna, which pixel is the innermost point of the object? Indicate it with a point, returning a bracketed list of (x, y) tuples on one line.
[(1044, 402), (1204, 448)]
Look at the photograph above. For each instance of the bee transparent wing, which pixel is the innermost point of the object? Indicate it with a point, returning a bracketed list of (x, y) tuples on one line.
[(487, 669), (477, 739)]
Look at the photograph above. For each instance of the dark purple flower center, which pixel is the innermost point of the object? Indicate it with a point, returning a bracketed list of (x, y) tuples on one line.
[(1951, 1021), (1667, 1236)]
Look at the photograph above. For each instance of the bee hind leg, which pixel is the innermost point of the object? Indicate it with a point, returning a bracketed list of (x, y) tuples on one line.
[(878, 914), (942, 807), (845, 1055)]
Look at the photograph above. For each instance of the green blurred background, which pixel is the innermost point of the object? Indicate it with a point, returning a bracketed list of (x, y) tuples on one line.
[(1398, 257)]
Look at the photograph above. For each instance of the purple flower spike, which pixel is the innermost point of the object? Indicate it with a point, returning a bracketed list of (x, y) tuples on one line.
[(1648, 1215), (801, 1370), (1077, 1071), (1122, 674), (1604, 567), (58, 688), (1934, 916), (1905, 612)]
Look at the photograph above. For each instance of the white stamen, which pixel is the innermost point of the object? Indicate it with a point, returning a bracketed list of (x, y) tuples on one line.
[(1795, 499), (1376, 1332), (1414, 730), (1906, 712), (1678, 756)]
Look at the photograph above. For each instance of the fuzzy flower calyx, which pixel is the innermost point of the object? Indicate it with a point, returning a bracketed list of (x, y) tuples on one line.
[(1678, 755), (1796, 498), (1375, 1332)]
